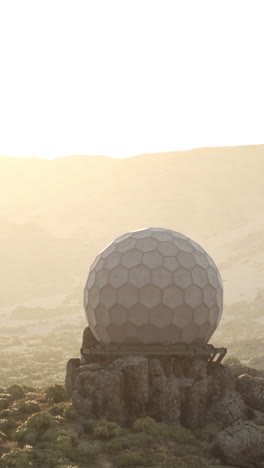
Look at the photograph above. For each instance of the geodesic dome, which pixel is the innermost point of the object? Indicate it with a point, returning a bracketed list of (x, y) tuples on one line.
[(153, 286)]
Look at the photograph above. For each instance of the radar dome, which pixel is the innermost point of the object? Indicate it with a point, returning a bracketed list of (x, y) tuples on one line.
[(153, 286)]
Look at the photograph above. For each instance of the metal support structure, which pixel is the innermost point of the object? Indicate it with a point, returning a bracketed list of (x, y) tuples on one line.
[(204, 351)]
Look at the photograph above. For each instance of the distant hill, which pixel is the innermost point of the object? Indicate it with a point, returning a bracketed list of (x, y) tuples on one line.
[(56, 215)]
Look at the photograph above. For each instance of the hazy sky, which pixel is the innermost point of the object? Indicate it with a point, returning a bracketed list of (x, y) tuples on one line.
[(121, 77)]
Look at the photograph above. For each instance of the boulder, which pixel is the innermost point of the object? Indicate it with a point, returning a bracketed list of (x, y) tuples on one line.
[(241, 444), (252, 390), (239, 369), (228, 409)]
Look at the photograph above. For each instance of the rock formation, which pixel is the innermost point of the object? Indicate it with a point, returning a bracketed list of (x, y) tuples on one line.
[(177, 390)]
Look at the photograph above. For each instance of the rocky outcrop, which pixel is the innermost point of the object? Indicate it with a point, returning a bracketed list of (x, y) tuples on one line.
[(241, 444), (178, 391), (71, 372)]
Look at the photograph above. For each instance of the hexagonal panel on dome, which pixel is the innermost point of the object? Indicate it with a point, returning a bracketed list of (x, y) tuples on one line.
[(213, 315), (161, 316), (85, 298), (190, 333), (131, 258), (212, 276), (118, 276), (171, 263), (204, 329), (138, 314), (161, 277), (127, 295), (193, 296), (102, 335), (186, 260), (91, 317), (148, 334), (168, 249), (101, 278), (182, 277), (116, 333), (108, 296), (199, 276), (118, 314), (130, 332), (182, 316), (141, 233), (219, 297), (146, 244), (112, 260), (93, 297), (150, 295), (140, 276), (123, 237), (183, 245), (102, 316), (90, 280), (152, 259), (99, 265), (162, 236), (201, 314), (209, 295), (107, 250), (200, 259), (126, 244), (172, 296)]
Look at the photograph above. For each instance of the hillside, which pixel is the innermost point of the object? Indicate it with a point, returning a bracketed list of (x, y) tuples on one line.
[(57, 214)]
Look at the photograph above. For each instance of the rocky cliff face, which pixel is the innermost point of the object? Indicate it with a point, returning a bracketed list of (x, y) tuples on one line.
[(178, 391)]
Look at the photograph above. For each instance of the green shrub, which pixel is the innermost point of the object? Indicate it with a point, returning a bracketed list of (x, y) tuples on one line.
[(37, 424), (57, 410), (107, 430), (4, 403), (164, 431), (118, 444), (127, 460), (139, 439), (69, 412), (145, 424), (64, 444), (6, 424), (17, 458), (232, 360), (26, 407), (2, 436), (88, 450), (49, 457), (55, 393), (16, 391), (53, 433), (5, 400)]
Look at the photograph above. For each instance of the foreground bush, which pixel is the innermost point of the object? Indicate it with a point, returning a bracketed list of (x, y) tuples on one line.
[(107, 430), (31, 430), (55, 393), (17, 458)]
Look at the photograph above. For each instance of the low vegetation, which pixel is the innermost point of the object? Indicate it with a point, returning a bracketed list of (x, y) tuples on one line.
[(39, 429)]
